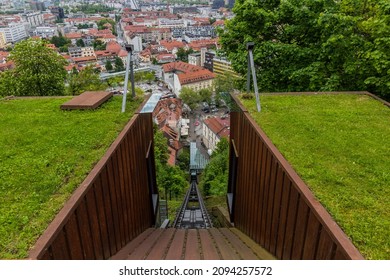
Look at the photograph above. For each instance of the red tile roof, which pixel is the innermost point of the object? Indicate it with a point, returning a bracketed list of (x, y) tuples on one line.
[(219, 23), (197, 45), (194, 77), (180, 66), (73, 35), (122, 53), (113, 46), (135, 28), (84, 59), (107, 36), (170, 45), (220, 127)]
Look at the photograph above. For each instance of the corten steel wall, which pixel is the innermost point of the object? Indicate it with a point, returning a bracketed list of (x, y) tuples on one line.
[(112, 206), (273, 205)]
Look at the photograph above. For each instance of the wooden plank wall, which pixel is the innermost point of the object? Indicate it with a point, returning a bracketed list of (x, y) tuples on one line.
[(111, 207), (274, 206)]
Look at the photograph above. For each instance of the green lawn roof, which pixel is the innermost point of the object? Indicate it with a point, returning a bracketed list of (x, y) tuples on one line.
[(45, 153), (340, 146)]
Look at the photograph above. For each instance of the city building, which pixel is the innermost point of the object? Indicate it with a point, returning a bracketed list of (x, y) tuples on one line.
[(58, 11), (45, 32), (3, 41), (222, 66), (208, 59), (194, 59), (197, 80), (75, 52), (14, 32), (213, 130), (34, 19)]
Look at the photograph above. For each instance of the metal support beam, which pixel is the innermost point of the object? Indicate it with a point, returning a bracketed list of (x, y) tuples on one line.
[(251, 63), (129, 48)]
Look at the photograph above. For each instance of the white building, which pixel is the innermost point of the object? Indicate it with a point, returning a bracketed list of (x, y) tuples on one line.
[(170, 23), (14, 33), (45, 32), (34, 19), (194, 59), (136, 41), (213, 130)]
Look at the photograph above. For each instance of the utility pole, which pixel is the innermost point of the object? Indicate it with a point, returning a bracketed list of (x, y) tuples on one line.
[(129, 64), (251, 68)]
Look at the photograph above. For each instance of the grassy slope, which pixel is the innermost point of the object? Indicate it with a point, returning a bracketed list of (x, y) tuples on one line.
[(45, 153), (340, 147)]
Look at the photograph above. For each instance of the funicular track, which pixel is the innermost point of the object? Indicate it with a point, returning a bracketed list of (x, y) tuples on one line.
[(192, 213)]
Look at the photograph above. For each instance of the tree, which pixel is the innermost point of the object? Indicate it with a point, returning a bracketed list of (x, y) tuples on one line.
[(182, 54), (80, 43), (304, 45), (60, 41), (39, 70), (109, 66), (189, 97), (226, 83), (205, 95), (119, 66), (101, 24), (85, 80), (99, 45), (7, 83), (215, 176), (183, 160), (170, 179)]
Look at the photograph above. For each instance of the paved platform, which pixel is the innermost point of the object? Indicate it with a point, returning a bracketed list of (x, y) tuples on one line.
[(192, 244), (87, 100)]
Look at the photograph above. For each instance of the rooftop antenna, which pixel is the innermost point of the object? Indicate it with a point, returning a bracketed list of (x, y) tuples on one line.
[(251, 68)]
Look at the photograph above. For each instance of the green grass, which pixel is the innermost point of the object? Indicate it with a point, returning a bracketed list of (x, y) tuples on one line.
[(339, 145), (45, 153)]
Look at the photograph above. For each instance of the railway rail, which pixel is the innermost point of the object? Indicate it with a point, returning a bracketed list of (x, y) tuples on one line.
[(193, 213)]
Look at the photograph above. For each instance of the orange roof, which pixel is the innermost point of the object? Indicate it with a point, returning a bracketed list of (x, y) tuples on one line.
[(113, 46), (135, 28), (220, 127), (73, 35), (93, 31), (104, 31), (103, 53), (219, 23), (86, 58), (122, 53), (70, 66), (170, 45), (197, 45), (107, 36), (194, 77), (181, 66)]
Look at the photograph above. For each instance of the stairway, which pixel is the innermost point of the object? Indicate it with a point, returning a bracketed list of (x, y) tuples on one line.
[(192, 244)]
